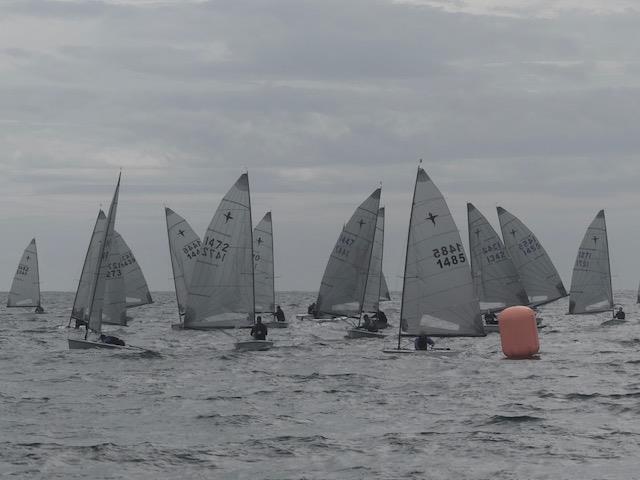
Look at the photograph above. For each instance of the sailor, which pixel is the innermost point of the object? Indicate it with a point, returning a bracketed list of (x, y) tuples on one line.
[(380, 319), (280, 315), (39, 309), (79, 323), (620, 315), (422, 342), (259, 330), (490, 318), (111, 340), (311, 309), (368, 324)]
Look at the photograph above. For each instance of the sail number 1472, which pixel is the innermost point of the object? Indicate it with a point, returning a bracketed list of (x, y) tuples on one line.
[(448, 256)]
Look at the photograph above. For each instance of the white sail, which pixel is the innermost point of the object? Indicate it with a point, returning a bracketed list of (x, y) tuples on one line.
[(184, 248), (25, 288), (221, 293), (495, 279), (115, 299), (345, 276), (374, 281), (86, 285), (384, 289), (538, 276), (591, 280), (263, 265), (106, 257), (438, 297), (136, 288)]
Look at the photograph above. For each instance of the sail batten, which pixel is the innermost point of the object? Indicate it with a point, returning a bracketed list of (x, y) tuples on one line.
[(25, 288), (342, 288), (537, 273), (437, 295), (591, 290)]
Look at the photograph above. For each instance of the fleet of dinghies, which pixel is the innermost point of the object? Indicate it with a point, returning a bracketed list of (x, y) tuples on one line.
[(227, 278)]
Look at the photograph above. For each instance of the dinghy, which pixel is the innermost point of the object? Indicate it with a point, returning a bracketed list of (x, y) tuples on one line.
[(25, 288), (263, 271), (343, 284), (184, 249), (438, 299), (100, 278), (591, 290), (254, 345), (537, 273)]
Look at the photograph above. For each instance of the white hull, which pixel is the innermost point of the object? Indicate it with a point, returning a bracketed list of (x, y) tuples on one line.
[(496, 329), (180, 326), (277, 324), (254, 345), (438, 352), (362, 333), (80, 344), (304, 316)]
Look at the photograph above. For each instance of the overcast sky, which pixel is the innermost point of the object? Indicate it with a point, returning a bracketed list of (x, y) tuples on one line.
[(532, 105)]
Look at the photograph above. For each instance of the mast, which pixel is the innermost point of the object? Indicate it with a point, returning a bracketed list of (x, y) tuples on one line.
[(366, 278), (273, 266), (37, 271), (406, 255), (253, 276), (381, 257), (606, 236), (175, 284)]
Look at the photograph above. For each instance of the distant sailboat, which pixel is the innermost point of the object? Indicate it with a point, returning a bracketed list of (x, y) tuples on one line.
[(495, 279), (263, 271), (184, 249), (437, 296), (591, 290), (343, 284), (537, 273), (25, 288), (89, 306)]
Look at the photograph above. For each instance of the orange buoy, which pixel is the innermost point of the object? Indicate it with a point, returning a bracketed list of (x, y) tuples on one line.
[(518, 332)]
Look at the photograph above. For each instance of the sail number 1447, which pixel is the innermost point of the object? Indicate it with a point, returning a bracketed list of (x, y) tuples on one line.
[(448, 256)]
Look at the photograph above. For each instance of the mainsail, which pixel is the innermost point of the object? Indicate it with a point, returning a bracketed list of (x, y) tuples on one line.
[(263, 265), (591, 290), (374, 281), (345, 276), (495, 279), (136, 288), (25, 288), (86, 285), (384, 289), (437, 296), (221, 293), (538, 276), (184, 248)]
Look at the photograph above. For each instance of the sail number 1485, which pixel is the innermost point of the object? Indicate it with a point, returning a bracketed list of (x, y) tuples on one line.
[(448, 256)]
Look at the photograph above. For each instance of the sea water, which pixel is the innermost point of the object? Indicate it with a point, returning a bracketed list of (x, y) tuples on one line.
[(317, 406)]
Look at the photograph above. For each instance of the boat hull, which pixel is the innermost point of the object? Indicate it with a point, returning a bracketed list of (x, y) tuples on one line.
[(80, 344), (180, 326), (496, 329), (438, 352), (362, 333), (254, 345), (277, 324)]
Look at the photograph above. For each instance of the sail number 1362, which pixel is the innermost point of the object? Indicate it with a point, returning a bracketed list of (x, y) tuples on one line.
[(448, 256)]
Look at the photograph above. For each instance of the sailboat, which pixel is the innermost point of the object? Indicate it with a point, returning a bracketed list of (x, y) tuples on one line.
[(25, 288), (263, 270), (437, 295), (184, 249), (591, 290), (373, 283), (343, 284), (385, 296), (537, 273), (126, 282), (97, 277), (221, 292), (495, 279)]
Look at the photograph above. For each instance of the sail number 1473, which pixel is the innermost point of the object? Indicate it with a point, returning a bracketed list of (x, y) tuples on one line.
[(448, 256)]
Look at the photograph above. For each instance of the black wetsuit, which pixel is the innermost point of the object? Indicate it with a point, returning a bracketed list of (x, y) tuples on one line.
[(422, 342), (280, 315), (620, 315), (111, 340), (259, 331)]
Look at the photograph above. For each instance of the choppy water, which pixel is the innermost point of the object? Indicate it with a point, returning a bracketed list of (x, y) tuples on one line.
[(317, 406)]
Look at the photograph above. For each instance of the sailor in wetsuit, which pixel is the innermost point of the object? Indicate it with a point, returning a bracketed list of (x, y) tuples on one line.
[(39, 309), (259, 330), (368, 324), (280, 315), (111, 340), (490, 318), (620, 315), (422, 342), (380, 319)]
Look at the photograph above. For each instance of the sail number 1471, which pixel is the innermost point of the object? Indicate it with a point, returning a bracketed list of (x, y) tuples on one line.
[(448, 256)]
